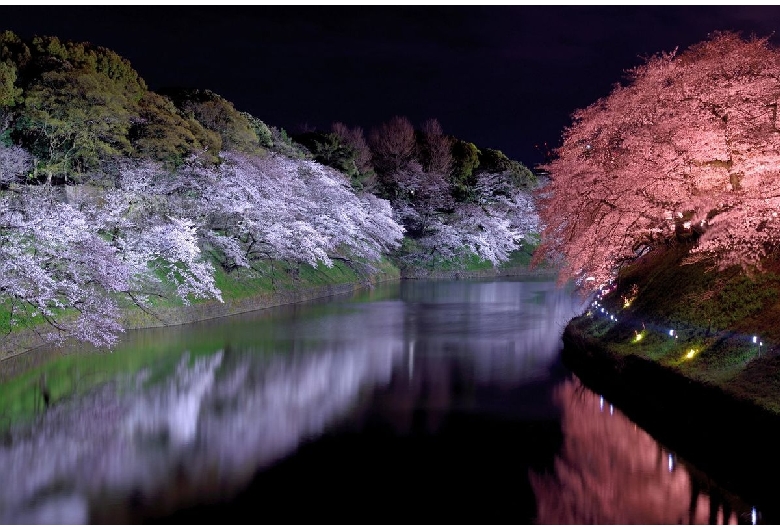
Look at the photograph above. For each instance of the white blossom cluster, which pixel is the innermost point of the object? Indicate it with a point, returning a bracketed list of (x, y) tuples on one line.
[(491, 227), (61, 258)]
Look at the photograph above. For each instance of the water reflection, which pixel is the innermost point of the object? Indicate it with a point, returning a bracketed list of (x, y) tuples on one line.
[(436, 393), (508, 332), (609, 471), (135, 449), (148, 442)]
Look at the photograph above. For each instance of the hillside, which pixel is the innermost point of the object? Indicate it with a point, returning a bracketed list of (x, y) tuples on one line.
[(115, 196)]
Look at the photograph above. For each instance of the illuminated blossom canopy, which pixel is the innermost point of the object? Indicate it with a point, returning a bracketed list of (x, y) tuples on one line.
[(71, 262), (688, 148)]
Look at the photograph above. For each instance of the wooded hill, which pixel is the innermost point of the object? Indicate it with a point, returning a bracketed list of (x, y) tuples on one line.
[(110, 191)]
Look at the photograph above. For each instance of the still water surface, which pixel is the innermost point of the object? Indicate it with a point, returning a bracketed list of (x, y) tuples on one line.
[(415, 402)]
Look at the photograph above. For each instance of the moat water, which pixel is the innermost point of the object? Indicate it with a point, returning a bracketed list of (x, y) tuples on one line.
[(417, 402)]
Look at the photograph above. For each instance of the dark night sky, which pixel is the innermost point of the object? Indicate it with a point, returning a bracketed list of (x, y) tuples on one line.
[(506, 77)]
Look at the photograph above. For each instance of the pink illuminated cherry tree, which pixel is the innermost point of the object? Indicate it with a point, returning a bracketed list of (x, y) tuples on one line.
[(689, 146)]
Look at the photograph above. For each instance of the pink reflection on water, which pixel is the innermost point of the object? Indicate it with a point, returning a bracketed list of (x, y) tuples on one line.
[(609, 471)]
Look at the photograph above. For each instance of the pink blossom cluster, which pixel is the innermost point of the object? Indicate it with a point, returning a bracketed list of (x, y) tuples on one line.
[(688, 150)]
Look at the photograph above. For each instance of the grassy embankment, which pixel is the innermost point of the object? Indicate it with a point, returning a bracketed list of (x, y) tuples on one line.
[(279, 283), (270, 284), (23, 377), (243, 290), (714, 314), (65, 376)]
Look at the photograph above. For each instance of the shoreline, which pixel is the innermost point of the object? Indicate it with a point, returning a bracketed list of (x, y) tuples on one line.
[(23, 341), (726, 436), (509, 272)]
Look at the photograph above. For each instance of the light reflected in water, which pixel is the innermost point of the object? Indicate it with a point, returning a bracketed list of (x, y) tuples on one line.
[(143, 445), (425, 363), (609, 471), (508, 332), (128, 451)]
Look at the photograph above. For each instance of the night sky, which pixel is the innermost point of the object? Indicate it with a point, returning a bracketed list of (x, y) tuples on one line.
[(506, 77)]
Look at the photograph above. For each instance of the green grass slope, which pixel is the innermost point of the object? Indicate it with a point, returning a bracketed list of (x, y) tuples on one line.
[(714, 315)]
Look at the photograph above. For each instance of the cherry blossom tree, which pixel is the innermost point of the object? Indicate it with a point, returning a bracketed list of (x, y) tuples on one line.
[(448, 208), (420, 196), (14, 162), (492, 227), (499, 191), (72, 263), (152, 236), (52, 260), (687, 149), (273, 207)]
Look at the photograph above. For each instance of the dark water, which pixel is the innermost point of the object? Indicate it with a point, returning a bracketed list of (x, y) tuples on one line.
[(414, 403)]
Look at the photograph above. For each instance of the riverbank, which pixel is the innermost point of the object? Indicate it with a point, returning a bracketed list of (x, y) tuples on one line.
[(518, 265), (243, 291), (731, 438), (690, 352), (716, 327), (501, 272)]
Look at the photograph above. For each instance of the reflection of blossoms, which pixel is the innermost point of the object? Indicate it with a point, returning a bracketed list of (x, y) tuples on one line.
[(175, 411), (611, 472), (198, 431), (209, 427)]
